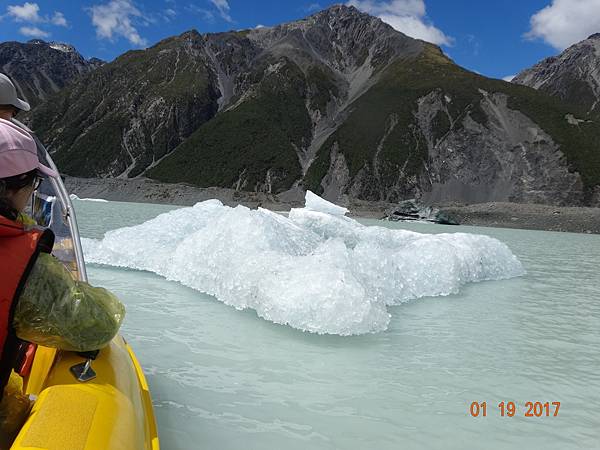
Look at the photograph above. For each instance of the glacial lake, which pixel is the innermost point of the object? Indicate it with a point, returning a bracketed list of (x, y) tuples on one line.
[(223, 378)]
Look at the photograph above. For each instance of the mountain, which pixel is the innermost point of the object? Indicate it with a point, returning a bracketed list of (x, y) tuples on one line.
[(122, 118), (573, 76), (339, 102), (41, 68)]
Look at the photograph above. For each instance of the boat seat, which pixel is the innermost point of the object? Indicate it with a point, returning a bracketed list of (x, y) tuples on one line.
[(79, 417)]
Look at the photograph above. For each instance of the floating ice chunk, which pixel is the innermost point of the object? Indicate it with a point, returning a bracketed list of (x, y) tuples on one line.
[(400, 265), (315, 203), (99, 200), (314, 271), (150, 245)]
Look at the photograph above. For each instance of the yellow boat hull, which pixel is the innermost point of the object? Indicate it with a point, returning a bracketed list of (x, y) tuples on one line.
[(111, 412)]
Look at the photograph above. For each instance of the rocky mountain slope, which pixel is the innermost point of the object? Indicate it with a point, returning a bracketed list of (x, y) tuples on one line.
[(573, 76), (40, 68), (339, 102), (122, 118)]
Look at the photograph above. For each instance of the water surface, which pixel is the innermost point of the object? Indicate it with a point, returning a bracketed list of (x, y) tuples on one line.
[(226, 379)]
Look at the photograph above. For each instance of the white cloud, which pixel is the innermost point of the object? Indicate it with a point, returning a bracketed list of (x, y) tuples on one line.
[(59, 20), (30, 13), (205, 13), (34, 32), (565, 22), (509, 78), (168, 15), (407, 16), (223, 7), (259, 26), (115, 19), (313, 7)]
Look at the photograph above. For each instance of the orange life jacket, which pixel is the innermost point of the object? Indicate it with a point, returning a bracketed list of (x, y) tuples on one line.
[(19, 249)]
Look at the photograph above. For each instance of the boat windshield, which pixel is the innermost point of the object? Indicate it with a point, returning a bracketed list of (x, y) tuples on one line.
[(51, 207)]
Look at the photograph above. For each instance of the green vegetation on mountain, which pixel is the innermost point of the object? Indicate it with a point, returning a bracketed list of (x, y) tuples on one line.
[(580, 143), (150, 98), (396, 95), (250, 146), (324, 89), (579, 94), (404, 150)]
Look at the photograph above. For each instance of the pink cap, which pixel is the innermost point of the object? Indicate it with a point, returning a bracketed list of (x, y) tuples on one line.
[(18, 152)]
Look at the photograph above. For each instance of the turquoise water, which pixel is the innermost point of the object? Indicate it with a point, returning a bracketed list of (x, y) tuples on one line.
[(223, 378)]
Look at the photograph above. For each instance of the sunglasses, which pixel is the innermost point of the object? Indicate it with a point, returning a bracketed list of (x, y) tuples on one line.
[(23, 181)]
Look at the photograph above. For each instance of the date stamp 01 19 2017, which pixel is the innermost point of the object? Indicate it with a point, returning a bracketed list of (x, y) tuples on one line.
[(510, 409)]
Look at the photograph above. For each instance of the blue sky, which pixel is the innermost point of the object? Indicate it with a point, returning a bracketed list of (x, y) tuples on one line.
[(494, 38)]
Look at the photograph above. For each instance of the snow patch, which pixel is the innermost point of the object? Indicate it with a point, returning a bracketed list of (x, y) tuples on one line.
[(61, 47)]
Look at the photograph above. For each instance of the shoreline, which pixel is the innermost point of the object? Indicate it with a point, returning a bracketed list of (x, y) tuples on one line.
[(492, 214)]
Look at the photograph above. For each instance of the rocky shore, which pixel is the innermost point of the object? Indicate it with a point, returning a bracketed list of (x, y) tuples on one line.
[(143, 190), (528, 216), (503, 215)]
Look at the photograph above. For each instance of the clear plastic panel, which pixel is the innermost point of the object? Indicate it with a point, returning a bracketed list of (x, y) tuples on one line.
[(48, 212), (52, 208)]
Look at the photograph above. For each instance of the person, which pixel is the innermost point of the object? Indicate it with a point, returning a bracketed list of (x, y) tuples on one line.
[(40, 302), (10, 103)]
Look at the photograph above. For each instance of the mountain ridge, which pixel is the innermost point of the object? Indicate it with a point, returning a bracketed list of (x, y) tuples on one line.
[(573, 75), (40, 69), (338, 102)]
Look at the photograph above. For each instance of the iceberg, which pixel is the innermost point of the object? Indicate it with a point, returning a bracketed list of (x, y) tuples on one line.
[(313, 202), (315, 270), (99, 200)]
